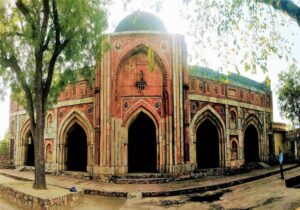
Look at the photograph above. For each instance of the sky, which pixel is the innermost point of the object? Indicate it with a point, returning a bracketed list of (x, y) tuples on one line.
[(170, 13)]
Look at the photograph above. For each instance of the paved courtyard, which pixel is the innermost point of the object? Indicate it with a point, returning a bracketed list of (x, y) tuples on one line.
[(165, 188), (266, 193)]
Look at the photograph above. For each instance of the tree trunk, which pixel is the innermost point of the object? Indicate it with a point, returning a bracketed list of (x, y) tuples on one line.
[(39, 149), (39, 154)]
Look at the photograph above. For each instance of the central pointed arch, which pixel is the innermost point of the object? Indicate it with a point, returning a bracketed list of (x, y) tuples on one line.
[(141, 137), (142, 153)]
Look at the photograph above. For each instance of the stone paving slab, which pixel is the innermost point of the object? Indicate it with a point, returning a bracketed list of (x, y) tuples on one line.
[(164, 189)]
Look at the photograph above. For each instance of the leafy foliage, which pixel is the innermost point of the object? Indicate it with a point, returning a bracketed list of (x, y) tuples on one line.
[(242, 33), (44, 45), (4, 145), (150, 58), (80, 23), (289, 94), (235, 34)]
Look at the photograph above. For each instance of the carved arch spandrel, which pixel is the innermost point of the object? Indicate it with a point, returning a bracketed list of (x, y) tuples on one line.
[(207, 113), (141, 46), (210, 113), (254, 120), (75, 116), (141, 105)]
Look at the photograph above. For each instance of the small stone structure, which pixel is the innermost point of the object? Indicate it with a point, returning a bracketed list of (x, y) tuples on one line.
[(29, 200)]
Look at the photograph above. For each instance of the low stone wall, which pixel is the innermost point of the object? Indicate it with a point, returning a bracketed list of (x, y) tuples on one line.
[(6, 163), (28, 201)]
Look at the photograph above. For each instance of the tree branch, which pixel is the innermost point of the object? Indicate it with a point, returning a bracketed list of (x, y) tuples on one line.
[(25, 11), (56, 22), (286, 6), (46, 12), (48, 38), (56, 53), (59, 47), (13, 64)]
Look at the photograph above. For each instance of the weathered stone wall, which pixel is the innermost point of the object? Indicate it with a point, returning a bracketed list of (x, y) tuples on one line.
[(27, 201), (127, 84)]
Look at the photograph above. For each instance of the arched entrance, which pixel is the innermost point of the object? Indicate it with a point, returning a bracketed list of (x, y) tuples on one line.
[(142, 145), (207, 146), (29, 150), (251, 144), (76, 149)]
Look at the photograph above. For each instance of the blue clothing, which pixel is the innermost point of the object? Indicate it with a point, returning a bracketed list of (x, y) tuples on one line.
[(281, 158)]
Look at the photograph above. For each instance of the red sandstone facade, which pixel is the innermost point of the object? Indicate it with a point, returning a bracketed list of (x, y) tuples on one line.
[(184, 122)]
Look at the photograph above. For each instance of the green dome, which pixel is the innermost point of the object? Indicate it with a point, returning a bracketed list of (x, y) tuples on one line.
[(141, 21)]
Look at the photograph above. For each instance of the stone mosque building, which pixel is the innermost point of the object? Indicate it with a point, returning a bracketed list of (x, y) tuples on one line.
[(159, 117)]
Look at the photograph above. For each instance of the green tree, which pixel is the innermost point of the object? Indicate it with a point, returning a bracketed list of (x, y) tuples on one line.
[(243, 33), (4, 144), (285, 6), (240, 34), (42, 42), (289, 94)]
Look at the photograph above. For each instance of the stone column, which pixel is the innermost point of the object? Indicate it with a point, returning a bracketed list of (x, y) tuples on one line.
[(296, 150), (226, 161), (177, 82)]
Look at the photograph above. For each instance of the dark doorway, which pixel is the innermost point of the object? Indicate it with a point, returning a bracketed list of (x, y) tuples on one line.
[(30, 151), (76, 149), (251, 145), (271, 146), (207, 145), (142, 145), (11, 149)]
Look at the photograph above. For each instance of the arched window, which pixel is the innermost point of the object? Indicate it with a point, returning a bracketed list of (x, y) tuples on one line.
[(208, 87), (82, 89), (222, 90), (234, 150), (232, 120), (67, 92), (216, 89), (74, 90), (49, 122), (49, 153), (201, 86), (193, 84), (12, 128)]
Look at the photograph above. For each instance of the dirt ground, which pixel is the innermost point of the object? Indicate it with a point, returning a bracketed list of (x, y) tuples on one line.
[(267, 193)]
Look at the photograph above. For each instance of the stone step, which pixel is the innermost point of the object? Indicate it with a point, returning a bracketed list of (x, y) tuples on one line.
[(21, 168), (209, 172), (145, 175), (7, 166), (264, 165), (293, 182), (142, 181)]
